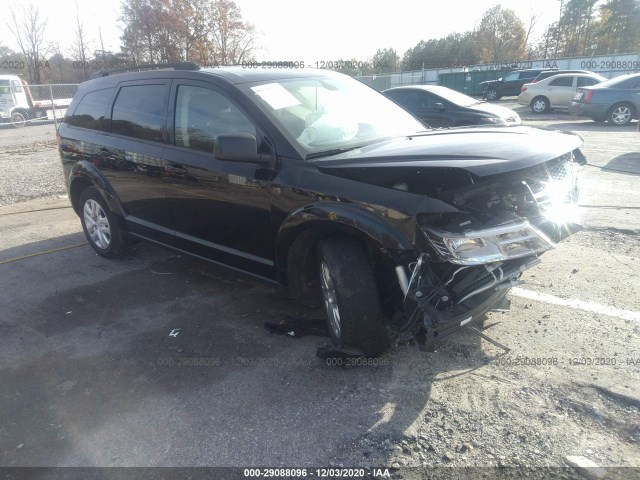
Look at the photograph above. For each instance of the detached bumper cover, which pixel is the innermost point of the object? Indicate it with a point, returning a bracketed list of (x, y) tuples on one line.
[(439, 330)]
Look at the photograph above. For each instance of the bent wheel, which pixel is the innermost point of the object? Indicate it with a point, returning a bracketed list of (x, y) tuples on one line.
[(350, 296)]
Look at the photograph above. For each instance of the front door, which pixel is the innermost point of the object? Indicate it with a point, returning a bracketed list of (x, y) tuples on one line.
[(221, 210)]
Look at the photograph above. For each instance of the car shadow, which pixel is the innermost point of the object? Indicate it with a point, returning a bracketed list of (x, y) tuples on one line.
[(625, 163), (164, 360)]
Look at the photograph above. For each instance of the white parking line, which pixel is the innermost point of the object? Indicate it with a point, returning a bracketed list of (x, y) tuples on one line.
[(577, 304)]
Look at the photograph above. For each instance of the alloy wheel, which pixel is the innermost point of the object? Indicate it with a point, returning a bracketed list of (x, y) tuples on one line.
[(330, 299), (97, 224), (621, 115)]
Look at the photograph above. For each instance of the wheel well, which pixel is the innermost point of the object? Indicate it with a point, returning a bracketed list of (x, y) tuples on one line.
[(75, 191), (539, 97), (299, 270)]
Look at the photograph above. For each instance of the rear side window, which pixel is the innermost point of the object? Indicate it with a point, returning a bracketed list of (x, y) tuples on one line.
[(528, 74), (586, 82), (139, 112), (561, 82), (91, 110)]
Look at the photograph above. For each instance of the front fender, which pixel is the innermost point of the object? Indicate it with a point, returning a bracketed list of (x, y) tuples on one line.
[(347, 217)]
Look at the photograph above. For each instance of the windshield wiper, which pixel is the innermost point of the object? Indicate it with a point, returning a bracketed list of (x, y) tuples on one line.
[(328, 153)]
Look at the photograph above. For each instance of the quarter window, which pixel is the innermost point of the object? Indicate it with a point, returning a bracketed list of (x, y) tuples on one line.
[(202, 114), (91, 111), (561, 82), (139, 112), (586, 82)]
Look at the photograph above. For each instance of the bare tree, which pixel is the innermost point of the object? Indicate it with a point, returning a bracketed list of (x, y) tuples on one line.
[(29, 34), (234, 38), (533, 20), (80, 46)]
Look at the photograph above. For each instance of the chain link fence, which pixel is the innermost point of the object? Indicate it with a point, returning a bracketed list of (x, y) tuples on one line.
[(24, 105)]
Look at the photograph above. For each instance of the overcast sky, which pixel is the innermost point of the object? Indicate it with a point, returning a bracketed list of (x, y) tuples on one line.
[(312, 31)]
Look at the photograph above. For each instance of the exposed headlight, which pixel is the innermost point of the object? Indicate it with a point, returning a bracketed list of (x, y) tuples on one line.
[(490, 245)]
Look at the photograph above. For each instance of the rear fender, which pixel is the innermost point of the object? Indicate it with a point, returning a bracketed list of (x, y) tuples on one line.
[(85, 173)]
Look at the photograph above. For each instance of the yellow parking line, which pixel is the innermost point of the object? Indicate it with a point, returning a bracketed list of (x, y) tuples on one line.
[(42, 253)]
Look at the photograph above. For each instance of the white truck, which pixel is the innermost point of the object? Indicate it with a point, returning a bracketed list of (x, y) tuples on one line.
[(17, 105)]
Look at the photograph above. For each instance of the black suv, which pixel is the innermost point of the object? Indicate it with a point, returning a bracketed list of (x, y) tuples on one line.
[(311, 179), (510, 84)]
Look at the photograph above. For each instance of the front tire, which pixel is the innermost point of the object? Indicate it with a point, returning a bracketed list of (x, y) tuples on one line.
[(100, 225), (18, 119), (620, 114), (539, 105), (350, 295), (491, 94)]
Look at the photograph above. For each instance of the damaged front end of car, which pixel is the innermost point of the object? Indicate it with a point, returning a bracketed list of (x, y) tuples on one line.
[(467, 261)]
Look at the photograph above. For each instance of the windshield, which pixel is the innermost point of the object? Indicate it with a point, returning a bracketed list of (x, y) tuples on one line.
[(331, 114), (454, 97), (616, 81)]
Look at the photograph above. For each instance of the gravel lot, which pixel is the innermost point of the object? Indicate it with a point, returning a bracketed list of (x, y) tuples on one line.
[(29, 164), (91, 378)]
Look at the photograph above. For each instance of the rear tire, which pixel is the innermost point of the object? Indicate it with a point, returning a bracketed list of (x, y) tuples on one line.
[(350, 294), (539, 105), (100, 225), (620, 114), (491, 94)]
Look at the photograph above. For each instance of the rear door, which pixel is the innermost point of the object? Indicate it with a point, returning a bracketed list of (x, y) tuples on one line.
[(561, 90), (130, 156), (221, 209)]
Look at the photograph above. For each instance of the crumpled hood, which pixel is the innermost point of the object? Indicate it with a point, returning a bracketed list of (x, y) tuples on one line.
[(481, 150)]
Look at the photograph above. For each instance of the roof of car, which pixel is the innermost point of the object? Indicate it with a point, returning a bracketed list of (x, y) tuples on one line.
[(232, 74), (429, 88)]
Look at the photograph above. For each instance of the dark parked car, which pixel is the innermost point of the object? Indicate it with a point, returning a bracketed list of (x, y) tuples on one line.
[(510, 84), (617, 100), (442, 107), (311, 179)]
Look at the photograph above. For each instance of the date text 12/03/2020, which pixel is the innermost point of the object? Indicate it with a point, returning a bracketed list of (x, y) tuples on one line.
[(319, 64)]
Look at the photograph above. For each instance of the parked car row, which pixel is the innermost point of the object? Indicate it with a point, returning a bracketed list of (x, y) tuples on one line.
[(583, 93), (555, 91)]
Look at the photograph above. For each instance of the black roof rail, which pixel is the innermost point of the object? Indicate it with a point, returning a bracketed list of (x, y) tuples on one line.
[(149, 66)]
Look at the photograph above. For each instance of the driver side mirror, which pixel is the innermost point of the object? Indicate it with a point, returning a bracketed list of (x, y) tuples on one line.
[(238, 147), (438, 106)]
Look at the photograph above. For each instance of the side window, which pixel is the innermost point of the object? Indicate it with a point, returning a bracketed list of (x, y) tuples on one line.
[(4, 87), (561, 82), (586, 82), (512, 76), (416, 100), (202, 114), (17, 86), (527, 75), (91, 110), (139, 112)]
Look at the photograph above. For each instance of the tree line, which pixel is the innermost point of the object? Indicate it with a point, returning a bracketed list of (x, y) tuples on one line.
[(213, 32)]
